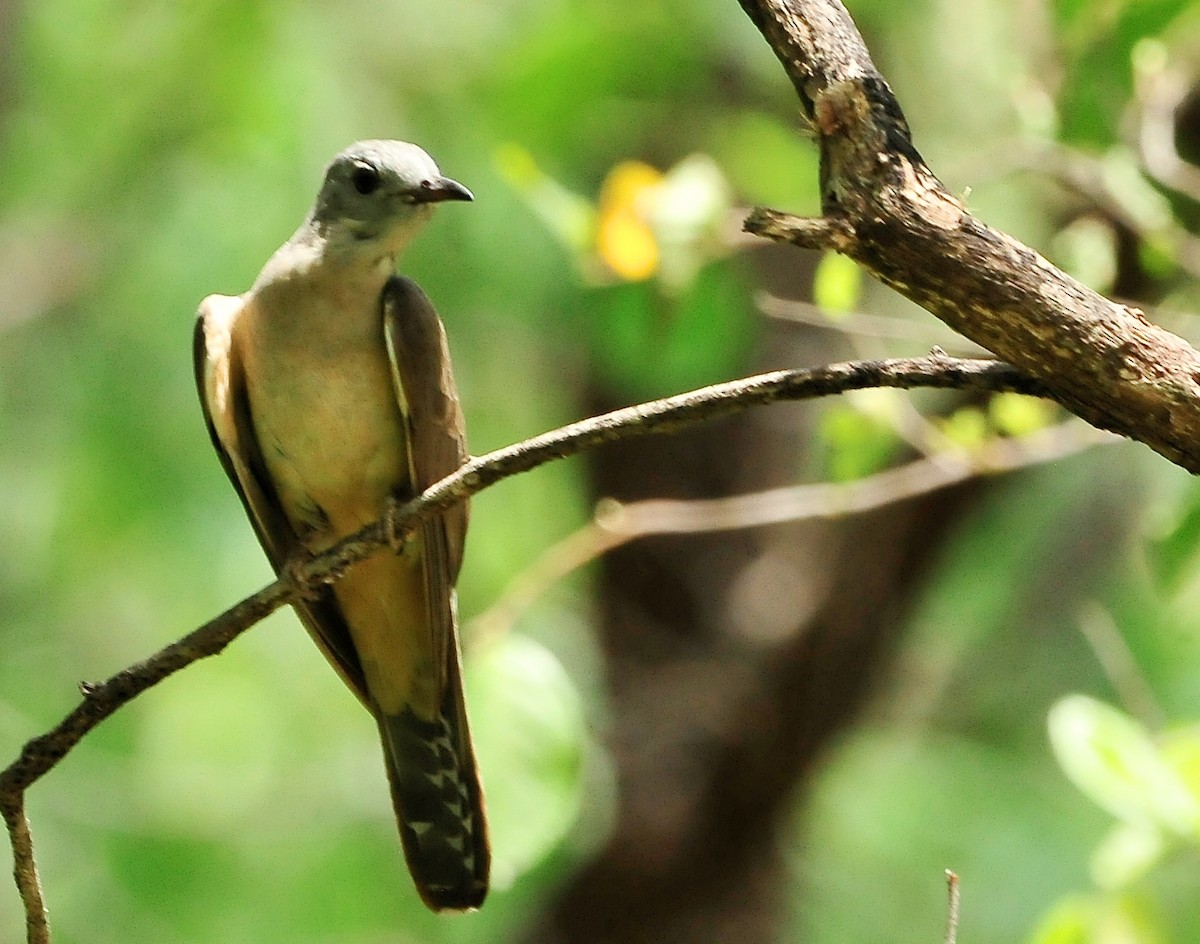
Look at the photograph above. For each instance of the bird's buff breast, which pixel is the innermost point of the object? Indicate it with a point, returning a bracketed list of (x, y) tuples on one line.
[(331, 432)]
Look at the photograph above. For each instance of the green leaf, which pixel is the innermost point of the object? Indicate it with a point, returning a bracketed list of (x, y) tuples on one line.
[(1099, 73), (1172, 554), (1070, 921), (645, 343), (529, 730), (1076, 919), (966, 426), (1126, 854), (1087, 249), (837, 285), (1180, 748), (569, 217), (856, 443), (1113, 761), (1014, 414)]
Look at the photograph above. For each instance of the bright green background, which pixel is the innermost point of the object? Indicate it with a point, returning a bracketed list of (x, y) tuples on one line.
[(151, 154)]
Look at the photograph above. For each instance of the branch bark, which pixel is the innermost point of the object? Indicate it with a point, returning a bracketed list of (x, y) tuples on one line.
[(884, 208), (100, 700)]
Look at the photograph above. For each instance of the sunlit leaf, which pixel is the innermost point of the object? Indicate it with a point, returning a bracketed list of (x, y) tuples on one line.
[(1087, 249), (1180, 748), (687, 211), (1126, 181), (1070, 921), (568, 216), (966, 426), (856, 443), (837, 285), (1127, 853), (1016, 415), (529, 728), (1172, 553), (1112, 760), (1097, 920)]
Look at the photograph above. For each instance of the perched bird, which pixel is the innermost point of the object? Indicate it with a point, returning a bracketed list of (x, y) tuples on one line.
[(327, 390)]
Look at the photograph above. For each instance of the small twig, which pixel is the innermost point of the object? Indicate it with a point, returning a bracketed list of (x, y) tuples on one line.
[(1089, 177), (822, 232), (952, 915), (25, 872), (1163, 91), (615, 524), (576, 550), (1115, 658), (876, 326), (43, 753)]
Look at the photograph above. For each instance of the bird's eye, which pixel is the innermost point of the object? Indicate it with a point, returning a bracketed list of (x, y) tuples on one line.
[(365, 179)]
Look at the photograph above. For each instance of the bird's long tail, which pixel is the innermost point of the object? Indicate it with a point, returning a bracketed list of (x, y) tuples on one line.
[(439, 801)]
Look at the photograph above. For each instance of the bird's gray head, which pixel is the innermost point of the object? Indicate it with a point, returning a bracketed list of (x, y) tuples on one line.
[(380, 192)]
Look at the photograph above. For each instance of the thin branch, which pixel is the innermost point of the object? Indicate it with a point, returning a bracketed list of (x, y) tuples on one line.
[(100, 700), (875, 326), (615, 523), (952, 893), (653, 418), (670, 415), (1117, 660), (25, 872), (884, 208), (1162, 92), (1087, 176)]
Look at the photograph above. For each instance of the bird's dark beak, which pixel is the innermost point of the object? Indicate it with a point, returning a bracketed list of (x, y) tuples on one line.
[(438, 189)]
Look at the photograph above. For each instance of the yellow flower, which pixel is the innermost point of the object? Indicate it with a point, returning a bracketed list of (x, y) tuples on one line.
[(624, 238)]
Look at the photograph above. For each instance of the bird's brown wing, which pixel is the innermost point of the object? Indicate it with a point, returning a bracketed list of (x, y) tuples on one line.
[(221, 384), (435, 782), (420, 361)]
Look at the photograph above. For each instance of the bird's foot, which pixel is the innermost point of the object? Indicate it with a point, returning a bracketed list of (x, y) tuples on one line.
[(293, 575), (399, 535)]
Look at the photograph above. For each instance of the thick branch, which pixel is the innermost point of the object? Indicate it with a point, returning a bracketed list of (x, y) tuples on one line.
[(885, 209)]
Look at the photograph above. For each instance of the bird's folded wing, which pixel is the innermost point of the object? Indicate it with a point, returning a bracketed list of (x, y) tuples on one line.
[(223, 397), (420, 360)]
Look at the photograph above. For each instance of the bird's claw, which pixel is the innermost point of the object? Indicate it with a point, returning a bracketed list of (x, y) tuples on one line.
[(293, 574), (397, 535)]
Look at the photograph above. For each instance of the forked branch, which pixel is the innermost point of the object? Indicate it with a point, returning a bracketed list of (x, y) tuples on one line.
[(884, 208)]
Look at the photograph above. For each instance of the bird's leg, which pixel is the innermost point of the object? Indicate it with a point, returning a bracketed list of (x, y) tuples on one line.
[(292, 573), (399, 536)]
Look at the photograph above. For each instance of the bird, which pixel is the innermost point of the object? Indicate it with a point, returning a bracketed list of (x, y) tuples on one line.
[(327, 390)]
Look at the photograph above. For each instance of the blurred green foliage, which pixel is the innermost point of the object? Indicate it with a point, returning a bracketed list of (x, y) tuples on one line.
[(153, 154)]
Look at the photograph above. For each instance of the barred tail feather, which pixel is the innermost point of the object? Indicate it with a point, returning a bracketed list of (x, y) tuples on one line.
[(439, 805)]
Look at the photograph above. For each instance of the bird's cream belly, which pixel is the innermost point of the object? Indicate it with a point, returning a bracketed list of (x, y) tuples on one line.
[(338, 447)]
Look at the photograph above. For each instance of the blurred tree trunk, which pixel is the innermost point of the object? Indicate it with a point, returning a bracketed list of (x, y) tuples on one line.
[(735, 659)]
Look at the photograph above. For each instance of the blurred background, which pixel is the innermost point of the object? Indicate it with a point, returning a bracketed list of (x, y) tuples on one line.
[(779, 732)]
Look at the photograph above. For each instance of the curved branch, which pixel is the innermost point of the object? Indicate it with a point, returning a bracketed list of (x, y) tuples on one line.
[(656, 417), (25, 874), (100, 700), (886, 210)]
